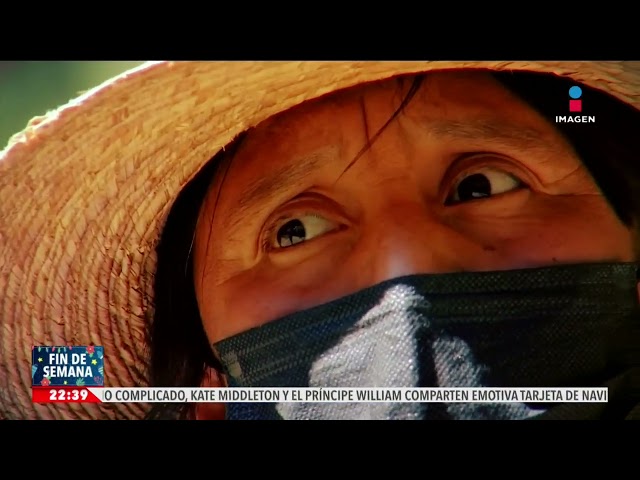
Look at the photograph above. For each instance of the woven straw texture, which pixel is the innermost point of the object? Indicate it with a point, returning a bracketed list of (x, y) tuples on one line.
[(85, 189)]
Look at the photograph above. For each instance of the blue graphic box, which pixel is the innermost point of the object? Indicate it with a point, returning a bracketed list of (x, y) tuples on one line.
[(67, 366)]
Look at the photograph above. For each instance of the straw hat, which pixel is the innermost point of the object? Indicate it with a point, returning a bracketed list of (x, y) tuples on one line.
[(84, 192)]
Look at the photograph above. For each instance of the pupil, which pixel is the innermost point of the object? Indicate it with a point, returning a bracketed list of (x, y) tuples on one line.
[(474, 186), (291, 233)]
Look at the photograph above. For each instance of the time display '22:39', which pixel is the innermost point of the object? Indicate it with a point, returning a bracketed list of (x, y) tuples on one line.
[(65, 395)]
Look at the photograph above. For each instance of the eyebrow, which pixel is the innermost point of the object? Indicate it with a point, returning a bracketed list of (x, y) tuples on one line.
[(263, 189), (497, 131), (492, 130)]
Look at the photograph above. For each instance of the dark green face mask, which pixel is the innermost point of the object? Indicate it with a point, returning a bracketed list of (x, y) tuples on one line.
[(563, 326)]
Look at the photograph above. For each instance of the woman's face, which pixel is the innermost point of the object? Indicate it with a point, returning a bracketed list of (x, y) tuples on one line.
[(466, 178)]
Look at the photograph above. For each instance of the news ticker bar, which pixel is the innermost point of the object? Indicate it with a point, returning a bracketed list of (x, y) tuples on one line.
[(319, 395)]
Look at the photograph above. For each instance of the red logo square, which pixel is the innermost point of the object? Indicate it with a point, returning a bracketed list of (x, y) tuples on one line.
[(575, 105)]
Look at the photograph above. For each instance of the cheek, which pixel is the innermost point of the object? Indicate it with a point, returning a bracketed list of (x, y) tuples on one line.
[(267, 292), (571, 229)]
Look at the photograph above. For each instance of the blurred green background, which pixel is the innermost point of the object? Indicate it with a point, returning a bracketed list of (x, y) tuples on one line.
[(29, 89)]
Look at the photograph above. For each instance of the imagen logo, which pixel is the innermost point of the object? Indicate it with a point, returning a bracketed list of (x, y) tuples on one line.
[(575, 106)]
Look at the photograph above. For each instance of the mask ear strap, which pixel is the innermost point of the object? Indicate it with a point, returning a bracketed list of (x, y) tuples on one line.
[(212, 361)]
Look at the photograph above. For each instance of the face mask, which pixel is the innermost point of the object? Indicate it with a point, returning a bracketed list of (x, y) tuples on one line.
[(545, 327)]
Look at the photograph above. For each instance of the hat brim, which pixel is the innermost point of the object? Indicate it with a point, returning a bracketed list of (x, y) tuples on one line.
[(85, 191)]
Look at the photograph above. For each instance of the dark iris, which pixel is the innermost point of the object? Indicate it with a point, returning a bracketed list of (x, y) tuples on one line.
[(474, 186), (291, 233)]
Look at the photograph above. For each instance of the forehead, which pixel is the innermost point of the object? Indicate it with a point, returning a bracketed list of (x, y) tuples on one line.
[(460, 87), (445, 100)]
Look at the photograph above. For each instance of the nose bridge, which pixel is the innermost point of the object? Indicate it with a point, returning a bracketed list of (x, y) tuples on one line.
[(407, 237)]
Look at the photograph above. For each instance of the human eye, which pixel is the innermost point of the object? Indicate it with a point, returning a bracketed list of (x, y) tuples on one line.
[(295, 229), (483, 182)]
